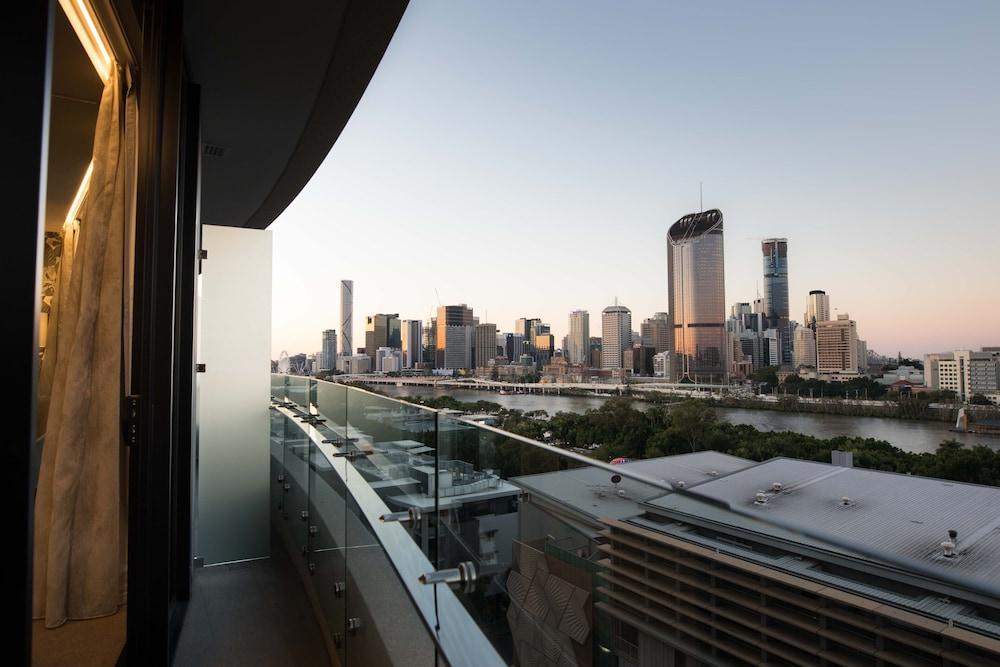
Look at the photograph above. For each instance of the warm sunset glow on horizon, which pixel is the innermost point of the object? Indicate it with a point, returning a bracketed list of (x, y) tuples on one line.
[(527, 159)]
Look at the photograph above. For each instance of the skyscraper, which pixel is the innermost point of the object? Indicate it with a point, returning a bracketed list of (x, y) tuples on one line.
[(528, 327), (454, 337), (655, 332), (382, 330), (616, 335), (775, 252), (346, 317), (579, 337), (329, 360), (486, 344), (837, 346), (696, 294), (411, 335), (817, 308)]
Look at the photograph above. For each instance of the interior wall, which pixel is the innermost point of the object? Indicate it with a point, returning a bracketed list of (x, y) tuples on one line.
[(232, 521)]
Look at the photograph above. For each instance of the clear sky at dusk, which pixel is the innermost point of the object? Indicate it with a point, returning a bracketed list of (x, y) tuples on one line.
[(527, 158)]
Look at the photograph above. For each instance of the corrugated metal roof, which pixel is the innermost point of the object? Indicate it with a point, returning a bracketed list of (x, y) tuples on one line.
[(887, 513)]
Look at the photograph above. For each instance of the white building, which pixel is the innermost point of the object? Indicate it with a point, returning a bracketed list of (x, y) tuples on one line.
[(837, 347), (964, 372), (616, 335), (346, 317), (388, 359), (355, 363), (661, 364), (804, 347)]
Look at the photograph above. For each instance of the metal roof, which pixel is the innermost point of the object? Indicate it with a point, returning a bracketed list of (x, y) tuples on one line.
[(898, 516), (591, 492)]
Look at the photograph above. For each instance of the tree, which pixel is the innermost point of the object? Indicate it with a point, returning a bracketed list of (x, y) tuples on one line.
[(767, 375), (979, 399), (693, 421)]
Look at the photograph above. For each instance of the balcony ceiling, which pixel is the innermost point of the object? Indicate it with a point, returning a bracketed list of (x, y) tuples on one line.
[(279, 81)]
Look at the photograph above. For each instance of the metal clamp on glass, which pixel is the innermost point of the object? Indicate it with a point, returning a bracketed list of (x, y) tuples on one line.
[(412, 515), (462, 577), (351, 455)]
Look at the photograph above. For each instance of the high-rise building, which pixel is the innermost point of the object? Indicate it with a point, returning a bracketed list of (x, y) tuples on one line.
[(817, 308), (455, 337), (545, 345), (655, 332), (486, 344), (579, 337), (514, 346), (804, 347), (430, 342), (697, 297), (837, 346), (381, 330), (346, 317), (411, 341), (328, 360), (775, 252), (616, 335)]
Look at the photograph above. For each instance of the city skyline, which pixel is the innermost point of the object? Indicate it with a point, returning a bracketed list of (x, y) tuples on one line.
[(588, 157)]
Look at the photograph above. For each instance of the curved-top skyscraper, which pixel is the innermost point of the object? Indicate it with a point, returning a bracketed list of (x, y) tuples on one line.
[(697, 296)]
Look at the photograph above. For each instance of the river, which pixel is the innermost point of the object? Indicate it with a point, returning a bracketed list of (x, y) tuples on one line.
[(910, 435)]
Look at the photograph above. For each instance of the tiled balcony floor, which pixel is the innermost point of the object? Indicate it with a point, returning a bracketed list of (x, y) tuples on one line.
[(254, 613)]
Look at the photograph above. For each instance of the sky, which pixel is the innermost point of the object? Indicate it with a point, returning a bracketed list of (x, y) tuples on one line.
[(527, 158)]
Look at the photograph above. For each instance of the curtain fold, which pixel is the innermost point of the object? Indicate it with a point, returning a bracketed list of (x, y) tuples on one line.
[(80, 504)]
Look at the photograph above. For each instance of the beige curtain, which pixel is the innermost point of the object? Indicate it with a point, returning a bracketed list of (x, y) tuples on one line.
[(80, 505)]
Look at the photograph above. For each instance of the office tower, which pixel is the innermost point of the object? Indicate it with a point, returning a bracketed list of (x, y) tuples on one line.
[(429, 342), (527, 327), (837, 346), (514, 347), (381, 330), (655, 332), (346, 317), (964, 372), (817, 308), (454, 339), (804, 347), (696, 295), (329, 351), (579, 337), (545, 345), (616, 335), (775, 252), (411, 342), (486, 344)]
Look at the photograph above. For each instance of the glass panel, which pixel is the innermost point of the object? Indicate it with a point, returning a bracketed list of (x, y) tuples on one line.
[(278, 386), (296, 486), (298, 390), (499, 499)]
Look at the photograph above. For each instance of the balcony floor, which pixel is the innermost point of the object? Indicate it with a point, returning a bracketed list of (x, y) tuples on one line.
[(253, 613)]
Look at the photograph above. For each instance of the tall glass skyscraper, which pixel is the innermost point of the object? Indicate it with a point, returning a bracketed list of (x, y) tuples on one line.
[(775, 252), (696, 294)]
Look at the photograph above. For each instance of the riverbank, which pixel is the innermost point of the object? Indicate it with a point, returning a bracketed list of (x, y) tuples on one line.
[(907, 434)]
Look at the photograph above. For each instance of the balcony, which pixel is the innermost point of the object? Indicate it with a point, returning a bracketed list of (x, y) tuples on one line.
[(419, 539)]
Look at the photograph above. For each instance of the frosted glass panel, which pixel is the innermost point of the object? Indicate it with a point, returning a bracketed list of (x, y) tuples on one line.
[(234, 395)]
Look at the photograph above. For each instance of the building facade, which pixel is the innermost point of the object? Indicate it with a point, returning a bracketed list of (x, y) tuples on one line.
[(696, 295), (485, 344), (616, 335), (328, 361), (455, 337), (817, 308), (837, 346), (655, 332), (382, 330), (776, 311), (804, 347), (346, 317), (578, 343), (411, 342)]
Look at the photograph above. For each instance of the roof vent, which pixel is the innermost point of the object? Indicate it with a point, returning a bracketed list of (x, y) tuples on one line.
[(846, 500), (948, 549), (621, 493), (760, 498), (953, 536), (776, 487), (713, 473), (681, 484), (213, 150)]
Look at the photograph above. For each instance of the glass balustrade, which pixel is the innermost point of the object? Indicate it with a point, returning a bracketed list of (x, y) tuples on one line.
[(428, 538)]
